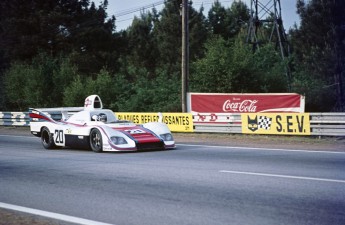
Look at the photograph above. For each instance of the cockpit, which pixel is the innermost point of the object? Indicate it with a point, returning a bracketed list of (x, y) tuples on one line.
[(103, 115)]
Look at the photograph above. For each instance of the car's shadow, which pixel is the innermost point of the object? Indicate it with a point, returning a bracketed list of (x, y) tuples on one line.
[(111, 152)]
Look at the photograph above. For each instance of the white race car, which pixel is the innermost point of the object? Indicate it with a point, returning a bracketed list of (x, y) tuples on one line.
[(93, 127)]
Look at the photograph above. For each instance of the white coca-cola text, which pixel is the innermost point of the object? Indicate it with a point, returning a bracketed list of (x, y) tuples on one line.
[(244, 106)]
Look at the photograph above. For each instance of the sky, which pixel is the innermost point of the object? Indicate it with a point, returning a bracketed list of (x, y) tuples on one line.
[(125, 10)]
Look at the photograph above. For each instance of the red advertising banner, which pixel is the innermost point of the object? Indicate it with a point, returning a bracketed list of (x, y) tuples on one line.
[(245, 103)]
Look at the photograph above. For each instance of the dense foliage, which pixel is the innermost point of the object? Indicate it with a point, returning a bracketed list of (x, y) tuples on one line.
[(55, 53)]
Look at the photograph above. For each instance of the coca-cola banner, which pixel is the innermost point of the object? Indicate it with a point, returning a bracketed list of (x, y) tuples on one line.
[(245, 103)]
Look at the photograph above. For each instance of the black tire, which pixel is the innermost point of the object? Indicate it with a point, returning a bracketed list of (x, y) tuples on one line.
[(47, 139), (96, 143)]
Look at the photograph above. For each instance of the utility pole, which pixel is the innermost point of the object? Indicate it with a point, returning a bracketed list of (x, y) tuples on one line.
[(185, 54)]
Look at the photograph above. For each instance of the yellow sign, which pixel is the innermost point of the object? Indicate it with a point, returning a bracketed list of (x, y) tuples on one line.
[(182, 122), (178, 122), (273, 123)]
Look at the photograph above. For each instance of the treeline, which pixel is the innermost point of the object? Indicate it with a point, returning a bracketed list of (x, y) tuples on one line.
[(55, 53)]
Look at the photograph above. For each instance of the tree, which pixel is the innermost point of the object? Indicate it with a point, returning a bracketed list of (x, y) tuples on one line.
[(231, 67), (110, 87), (320, 53), (14, 84), (94, 45), (211, 73), (217, 17), (55, 27), (238, 17), (198, 33), (151, 95), (39, 83), (228, 22), (268, 70), (168, 32), (141, 43)]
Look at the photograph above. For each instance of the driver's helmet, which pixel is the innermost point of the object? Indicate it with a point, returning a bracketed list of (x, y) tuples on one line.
[(102, 117)]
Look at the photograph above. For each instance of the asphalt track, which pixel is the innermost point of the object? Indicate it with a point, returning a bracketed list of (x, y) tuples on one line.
[(193, 184)]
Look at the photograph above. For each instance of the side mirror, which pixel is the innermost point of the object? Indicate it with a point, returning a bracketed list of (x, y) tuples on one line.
[(95, 117)]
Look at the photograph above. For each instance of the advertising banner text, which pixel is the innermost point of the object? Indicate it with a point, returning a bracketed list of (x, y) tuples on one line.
[(245, 103), (177, 122), (273, 123)]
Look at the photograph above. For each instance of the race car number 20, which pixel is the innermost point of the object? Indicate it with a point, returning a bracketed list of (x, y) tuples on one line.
[(59, 137)]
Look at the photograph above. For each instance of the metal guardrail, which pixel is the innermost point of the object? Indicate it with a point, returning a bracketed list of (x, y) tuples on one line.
[(21, 119), (321, 124), (14, 119), (226, 123), (328, 124)]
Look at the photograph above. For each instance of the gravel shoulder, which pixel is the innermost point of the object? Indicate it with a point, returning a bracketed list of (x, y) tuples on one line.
[(265, 141), (11, 217)]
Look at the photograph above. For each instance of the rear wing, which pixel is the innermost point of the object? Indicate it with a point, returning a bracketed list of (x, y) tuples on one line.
[(61, 113), (92, 102)]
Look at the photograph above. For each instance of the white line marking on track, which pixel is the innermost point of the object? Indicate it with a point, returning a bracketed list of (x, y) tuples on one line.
[(52, 215), (264, 149), (282, 176)]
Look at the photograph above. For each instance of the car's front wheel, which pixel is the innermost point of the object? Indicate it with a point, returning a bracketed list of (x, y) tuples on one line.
[(96, 140), (47, 139)]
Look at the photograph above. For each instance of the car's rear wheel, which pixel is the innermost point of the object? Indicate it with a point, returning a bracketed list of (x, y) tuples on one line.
[(96, 140), (47, 139)]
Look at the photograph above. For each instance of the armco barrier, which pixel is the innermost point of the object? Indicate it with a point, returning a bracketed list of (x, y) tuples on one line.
[(321, 124), (14, 119), (21, 119), (329, 124), (217, 123)]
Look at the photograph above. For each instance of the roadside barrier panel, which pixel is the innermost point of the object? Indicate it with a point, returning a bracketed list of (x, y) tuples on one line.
[(321, 124)]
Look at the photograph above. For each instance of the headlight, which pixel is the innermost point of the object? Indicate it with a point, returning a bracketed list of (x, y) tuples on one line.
[(118, 140), (167, 137)]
